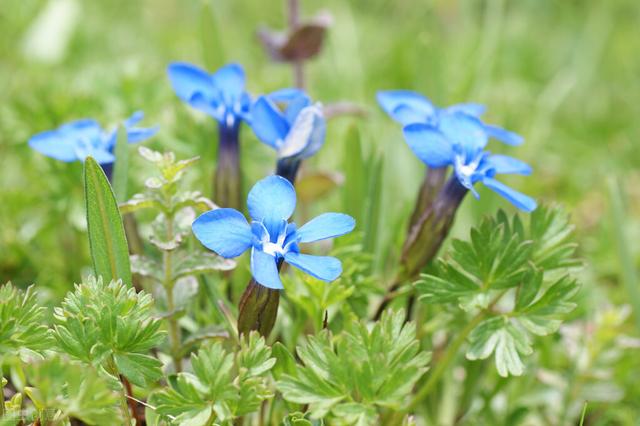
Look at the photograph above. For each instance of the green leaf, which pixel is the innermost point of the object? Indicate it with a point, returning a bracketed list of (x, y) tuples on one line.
[(355, 182), (223, 384), (502, 336), (140, 369), (139, 202), (22, 322), (107, 239), (373, 203), (121, 165), (354, 374), (285, 362), (76, 390), (98, 322), (197, 263), (503, 254)]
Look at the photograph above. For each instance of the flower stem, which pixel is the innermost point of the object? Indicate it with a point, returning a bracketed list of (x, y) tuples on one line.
[(294, 21), (124, 405), (445, 361), (228, 179), (174, 329), (425, 237), (1, 393)]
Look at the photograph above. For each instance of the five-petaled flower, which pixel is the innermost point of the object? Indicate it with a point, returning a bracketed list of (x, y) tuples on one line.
[(222, 94), (295, 130), (459, 141), (82, 138), (270, 236), (407, 107)]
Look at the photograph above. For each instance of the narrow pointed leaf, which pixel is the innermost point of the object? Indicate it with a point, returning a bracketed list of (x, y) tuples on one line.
[(107, 239)]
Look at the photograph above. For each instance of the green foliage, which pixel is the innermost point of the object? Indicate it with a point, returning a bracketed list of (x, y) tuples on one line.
[(109, 249), (222, 386), (110, 325), (22, 322), (504, 260), (121, 165), (352, 375), (162, 190), (61, 389)]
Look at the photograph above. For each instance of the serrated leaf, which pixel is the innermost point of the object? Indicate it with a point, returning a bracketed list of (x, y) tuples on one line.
[(146, 267), (225, 384), (22, 323), (285, 362), (74, 389), (352, 375), (139, 202), (140, 369), (502, 336), (109, 249), (201, 263), (99, 321)]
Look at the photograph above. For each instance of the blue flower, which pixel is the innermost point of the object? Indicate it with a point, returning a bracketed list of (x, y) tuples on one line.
[(82, 138), (407, 107), (459, 141), (222, 94), (270, 236), (297, 130)]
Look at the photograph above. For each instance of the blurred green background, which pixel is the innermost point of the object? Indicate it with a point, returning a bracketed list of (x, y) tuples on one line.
[(564, 74)]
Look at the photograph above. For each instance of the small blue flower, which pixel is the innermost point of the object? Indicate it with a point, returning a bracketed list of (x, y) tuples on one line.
[(82, 138), (296, 131), (222, 94), (459, 141), (407, 107), (270, 236)]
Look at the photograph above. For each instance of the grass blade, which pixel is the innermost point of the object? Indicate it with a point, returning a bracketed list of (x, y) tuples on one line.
[(121, 166)]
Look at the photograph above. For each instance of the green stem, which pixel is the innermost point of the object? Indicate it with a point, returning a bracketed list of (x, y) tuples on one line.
[(124, 405), (446, 359), (174, 329), (1, 394)]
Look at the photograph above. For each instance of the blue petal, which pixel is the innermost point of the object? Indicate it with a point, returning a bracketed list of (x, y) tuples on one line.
[(265, 270), (415, 107), (55, 145), (307, 134), (407, 115), (224, 231), (475, 110), (325, 268), (295, 106), (429, 145), (270, 201), (327, 225), (135, 118), (464, 130), (285, 95), (268, 123), (505, 136), (102, 156), (211, 107), (188, 79), (503, 164), (138, 134), (521, 201), (84, 128), (230, 81)]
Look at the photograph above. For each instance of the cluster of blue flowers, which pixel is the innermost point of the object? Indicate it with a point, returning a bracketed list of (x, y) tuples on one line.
[(455, 136), (294, 126)]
